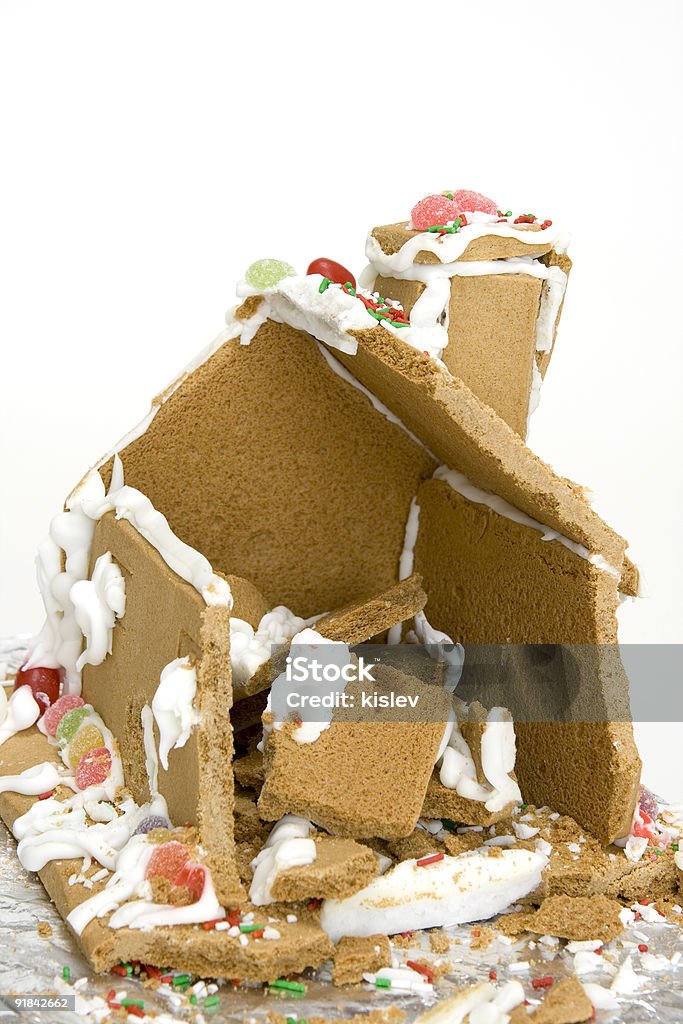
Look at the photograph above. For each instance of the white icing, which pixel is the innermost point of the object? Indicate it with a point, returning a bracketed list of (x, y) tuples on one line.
[(460, 483), (71, 533), (458, 769), (449, 248), (21, 711), (338, 654), (173, 706), (534, 394), (440, 647), (97, 603), (454, 890), (407, 559), (151, 758), (327, 315), (144, 914), (287, 846), (250, 649), (477, 1004), (39, 779)]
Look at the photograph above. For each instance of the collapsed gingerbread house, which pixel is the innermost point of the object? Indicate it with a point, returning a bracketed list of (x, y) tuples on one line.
[(322, 473)]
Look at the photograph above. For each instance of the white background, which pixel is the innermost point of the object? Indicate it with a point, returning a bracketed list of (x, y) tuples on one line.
[(152, 150)]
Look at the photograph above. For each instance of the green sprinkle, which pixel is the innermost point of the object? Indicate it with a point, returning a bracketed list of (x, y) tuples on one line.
[(66, 973), (508, 214), (449, 825), (245, 928), (674, 847), (288, 986), (382, 982), (211, 1001), (181, 979), (523, 807), (348, 287), (398, 323), (133, 1002), (659, 852), (448, 195), (193, 999), (377, 316), (324, 285)]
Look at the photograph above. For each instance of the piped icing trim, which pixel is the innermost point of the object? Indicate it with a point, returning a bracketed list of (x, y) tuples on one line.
[(460, 483), (20, 712), (298, 301), (251, 648), (454, 890), (498, 752), (287, 846), (60, 642), (97, 603), (429, 316), (449, 248), (173, 706)]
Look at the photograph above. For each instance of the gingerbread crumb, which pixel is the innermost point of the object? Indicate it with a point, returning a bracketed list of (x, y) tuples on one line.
[(44, 929), (355, 956)]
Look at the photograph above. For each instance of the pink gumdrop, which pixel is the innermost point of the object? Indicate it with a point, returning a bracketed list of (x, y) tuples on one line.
[(466, 201), (167, 861), (192, 877), (93, 768), (433, 210), (55, 714)]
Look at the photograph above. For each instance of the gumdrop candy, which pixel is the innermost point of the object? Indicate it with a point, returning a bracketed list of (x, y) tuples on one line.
[(44, 682), (167, 861), (56, 713), (150, 822), (86, 739), (466, 201), (70, 723), (333, 271), (268, 273), (93, 768), (192, 877), (433, 210)]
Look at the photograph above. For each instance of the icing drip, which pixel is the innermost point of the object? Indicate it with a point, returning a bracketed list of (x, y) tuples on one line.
[(336, 653), (20, 712), (97, 603), (41, 778), (250, 649), (144, 914), (458, 770), (463, 486), (172, 706), (71, 534), (287, 846), (454, 890), (440, 647)]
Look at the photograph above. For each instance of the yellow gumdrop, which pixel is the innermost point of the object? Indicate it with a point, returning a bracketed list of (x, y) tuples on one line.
[(85, 739)]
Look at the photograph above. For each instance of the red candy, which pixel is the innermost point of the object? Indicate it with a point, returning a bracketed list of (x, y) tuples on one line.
[(433, 210), (465, 201), (55, 714), (332, 270), (192, 877), (44, 683), (93, 768), (168, 861)]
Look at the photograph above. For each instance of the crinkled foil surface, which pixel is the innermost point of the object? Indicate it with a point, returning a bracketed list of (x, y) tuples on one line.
[(30, 963)]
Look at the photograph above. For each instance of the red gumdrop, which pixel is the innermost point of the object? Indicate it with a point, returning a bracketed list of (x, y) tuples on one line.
[(44, 682), (467, 201), (433, 210), (332, 270), (167, 860), (192, 877), (55, 714), (93, 768)]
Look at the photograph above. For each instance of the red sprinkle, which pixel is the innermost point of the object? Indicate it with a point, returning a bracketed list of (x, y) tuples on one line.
[(493, 975), (209, 925), (643, 948), (46, 796), (636, 915), (546, 224), (166, 978), (152, 972), (120, 970), (406, 935), (526, 218), (313, 904), (645, 902), (235, 981), (136, 1011), (234, 917), (542, 982), (111, 994), (429, 975), (258, 934), (424, 861)]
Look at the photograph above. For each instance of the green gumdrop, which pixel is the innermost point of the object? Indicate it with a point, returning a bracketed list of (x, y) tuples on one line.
[(268, 273), (70, 723)]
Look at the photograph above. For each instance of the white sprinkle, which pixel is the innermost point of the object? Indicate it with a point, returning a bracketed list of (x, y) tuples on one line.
[(520, 967)]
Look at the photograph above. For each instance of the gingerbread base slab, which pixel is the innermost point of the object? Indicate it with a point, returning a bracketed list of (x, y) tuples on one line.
[(302, 944)]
